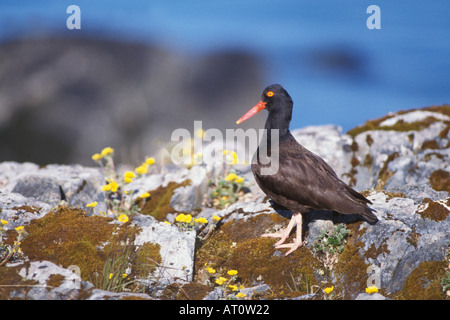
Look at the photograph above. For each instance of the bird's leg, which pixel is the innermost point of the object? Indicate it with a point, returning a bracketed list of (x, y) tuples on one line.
[(298, 240), (283, 234)]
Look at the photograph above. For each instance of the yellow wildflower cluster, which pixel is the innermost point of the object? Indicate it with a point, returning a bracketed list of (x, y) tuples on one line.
[(105, 152), (111, 186), (228, 284), (187, 222), (234, 177), (7, 251), (143, 168)]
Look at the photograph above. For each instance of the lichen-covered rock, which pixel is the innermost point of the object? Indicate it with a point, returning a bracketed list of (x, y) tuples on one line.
[(400, 162)]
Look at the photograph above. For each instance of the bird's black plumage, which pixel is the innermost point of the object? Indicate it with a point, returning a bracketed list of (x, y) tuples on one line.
[(304, 181)]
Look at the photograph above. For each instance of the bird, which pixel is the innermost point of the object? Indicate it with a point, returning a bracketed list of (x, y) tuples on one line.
[(302, 181)]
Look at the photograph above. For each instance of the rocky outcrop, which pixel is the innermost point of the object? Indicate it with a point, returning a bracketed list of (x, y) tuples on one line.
[(400, 162)]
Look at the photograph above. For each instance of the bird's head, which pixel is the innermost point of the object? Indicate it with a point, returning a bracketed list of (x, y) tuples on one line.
[(274, 98)]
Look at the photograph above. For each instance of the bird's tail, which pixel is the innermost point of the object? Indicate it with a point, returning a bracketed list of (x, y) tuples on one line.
[(369, 215)]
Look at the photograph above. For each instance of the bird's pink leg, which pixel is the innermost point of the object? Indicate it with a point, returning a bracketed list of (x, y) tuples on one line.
[(298, 240), (283, 234)]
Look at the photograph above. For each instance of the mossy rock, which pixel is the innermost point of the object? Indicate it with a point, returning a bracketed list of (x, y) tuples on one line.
[(401, 125), (158, 204), (424, 283), (67, 236), (237, 245)]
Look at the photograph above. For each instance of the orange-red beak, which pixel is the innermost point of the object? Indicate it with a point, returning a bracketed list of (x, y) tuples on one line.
[(261, 105)]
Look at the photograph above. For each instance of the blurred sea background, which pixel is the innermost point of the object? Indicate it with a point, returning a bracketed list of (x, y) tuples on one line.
[(336, 69)]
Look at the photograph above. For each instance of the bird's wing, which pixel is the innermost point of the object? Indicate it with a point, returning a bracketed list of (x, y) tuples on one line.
[(304, 178)]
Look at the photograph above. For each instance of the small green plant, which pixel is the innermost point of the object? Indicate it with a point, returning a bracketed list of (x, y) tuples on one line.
[(226, 190), (331, 243)]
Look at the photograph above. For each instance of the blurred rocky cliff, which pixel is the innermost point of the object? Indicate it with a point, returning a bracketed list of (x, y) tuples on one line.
[(63, 99)]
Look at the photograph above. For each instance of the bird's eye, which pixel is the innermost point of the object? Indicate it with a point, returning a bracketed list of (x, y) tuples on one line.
[(269, 94)]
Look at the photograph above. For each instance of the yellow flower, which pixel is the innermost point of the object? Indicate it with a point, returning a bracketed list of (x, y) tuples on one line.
[(20, 229), (181, 217), (201, 220), (106, 187), (371, 289), (128, 176), (106, 151), (142, 169), (114, 186), (241, 295), (96, 157), (124, 275), (216, 217), (123, 218), (110, 276), (231, 177), (92, 204), (3, 221), (232, 272), (239, 179), (167, 222), (232, 287), (184, 218), (221, 280), (150, 160), (210, 270), (144, 195), (328, 290)]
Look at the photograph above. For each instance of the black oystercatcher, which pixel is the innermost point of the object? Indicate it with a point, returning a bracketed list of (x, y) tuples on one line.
[(303, 181)]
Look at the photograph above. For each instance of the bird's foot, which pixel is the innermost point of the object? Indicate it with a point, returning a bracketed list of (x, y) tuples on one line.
[(293, 246), (281, 235)]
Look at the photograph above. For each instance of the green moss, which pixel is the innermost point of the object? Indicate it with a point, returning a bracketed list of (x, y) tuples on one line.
[(351, 271), (146, 259), (68, 236), (434, 210), (55, 280), (424, 283), (188, 291), (430, 144), (440, 180), (384, 174), (158, 205)]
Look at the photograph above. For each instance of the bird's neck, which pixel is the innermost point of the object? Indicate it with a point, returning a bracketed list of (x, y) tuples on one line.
[(279, 122)]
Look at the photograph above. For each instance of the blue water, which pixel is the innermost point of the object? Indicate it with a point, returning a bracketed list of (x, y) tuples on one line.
[(403, 65)]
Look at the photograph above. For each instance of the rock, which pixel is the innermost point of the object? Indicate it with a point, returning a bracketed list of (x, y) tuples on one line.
[(177, 249), (372, 296), (397, 169), (75, 184), (53, 282)]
